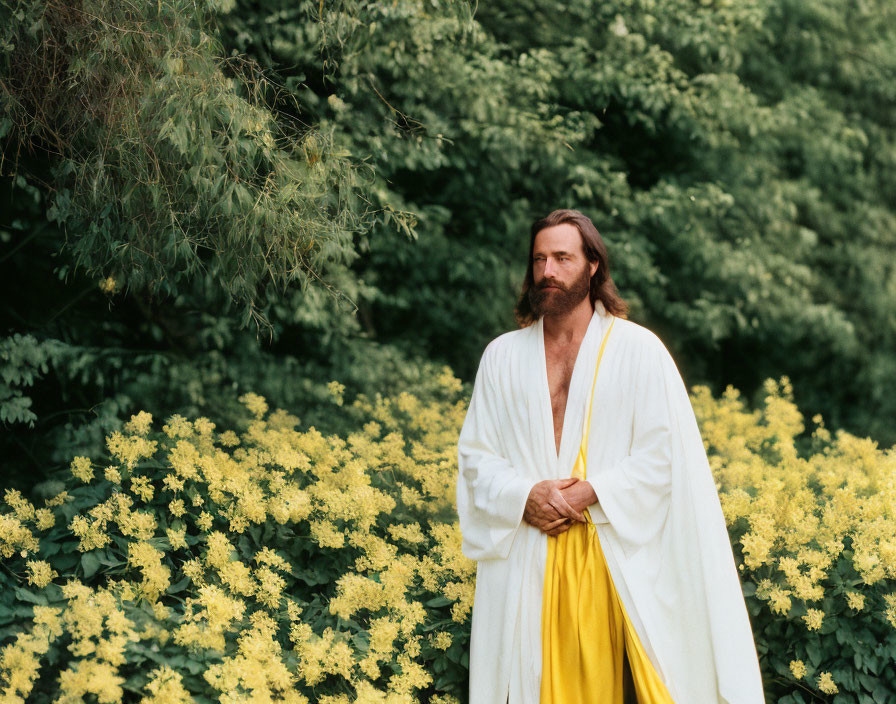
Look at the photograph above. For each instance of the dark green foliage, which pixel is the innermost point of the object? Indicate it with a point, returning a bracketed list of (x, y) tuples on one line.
[(172, 172), (738, 157)]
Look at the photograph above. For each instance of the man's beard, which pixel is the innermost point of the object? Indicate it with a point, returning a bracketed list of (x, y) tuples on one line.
[(560, 300)]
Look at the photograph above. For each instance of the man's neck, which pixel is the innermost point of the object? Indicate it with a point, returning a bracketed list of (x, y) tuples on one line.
[(570, 326)]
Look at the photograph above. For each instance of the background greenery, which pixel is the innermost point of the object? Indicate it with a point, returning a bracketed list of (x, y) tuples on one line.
[(200, 199)]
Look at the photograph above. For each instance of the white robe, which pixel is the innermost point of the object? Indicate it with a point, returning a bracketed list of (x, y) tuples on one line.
[(658, 515)]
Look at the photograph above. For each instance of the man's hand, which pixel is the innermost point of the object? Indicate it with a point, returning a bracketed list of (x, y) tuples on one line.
[(549, 510), (579, 495)]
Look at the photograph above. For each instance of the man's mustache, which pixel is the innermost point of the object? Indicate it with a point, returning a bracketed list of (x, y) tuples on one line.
[(548, 284)]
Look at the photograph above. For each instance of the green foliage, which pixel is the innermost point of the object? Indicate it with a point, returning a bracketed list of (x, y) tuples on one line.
[(173, 172), (22, 360), (737, 157)]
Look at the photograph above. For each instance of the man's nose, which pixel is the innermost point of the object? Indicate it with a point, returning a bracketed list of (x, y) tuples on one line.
[(548, 268)]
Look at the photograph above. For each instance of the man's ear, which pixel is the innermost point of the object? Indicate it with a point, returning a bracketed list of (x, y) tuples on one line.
[(594, 266)]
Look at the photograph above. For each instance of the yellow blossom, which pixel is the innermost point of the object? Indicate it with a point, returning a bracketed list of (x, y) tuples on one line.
[(336, 390), (229, 438), (409, 532), (44, 518), (441, 640), (142, 488), (255, 403), (813, 618), (798, 668), (130, 449), (855, 600), (173, 483), (58, 499), (204, 520), (81, 469), (139, 424), (40, 573), (91, 677), (165, 686), (203, 426), (826, 683), (193, 569), (177, 537), (178, 427), (326, 534)]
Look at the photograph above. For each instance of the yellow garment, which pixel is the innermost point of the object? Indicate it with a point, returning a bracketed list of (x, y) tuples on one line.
[(586, 634)]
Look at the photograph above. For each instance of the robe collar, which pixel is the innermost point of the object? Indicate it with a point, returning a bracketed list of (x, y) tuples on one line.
[(579, 386)]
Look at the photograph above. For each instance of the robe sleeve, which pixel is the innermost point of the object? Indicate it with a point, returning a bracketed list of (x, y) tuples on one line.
[(491, 493), (633, 495)]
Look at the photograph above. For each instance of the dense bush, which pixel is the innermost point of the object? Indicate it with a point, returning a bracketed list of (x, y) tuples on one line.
[(814, 523), (289, 565), (274, 562)]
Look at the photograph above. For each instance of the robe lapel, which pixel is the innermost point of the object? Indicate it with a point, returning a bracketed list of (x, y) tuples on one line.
[(560, 465)]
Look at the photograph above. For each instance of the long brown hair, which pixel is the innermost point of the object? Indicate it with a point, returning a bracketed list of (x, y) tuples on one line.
[(602, 287)]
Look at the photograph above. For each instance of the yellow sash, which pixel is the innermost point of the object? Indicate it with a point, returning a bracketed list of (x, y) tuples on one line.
[(587, 638)]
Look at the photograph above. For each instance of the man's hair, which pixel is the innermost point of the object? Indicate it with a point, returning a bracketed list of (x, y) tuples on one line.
[(602, 287)]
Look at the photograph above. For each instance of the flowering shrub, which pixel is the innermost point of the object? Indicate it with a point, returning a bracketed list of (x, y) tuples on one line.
[(273, 564), (280, 564), (813, 523)]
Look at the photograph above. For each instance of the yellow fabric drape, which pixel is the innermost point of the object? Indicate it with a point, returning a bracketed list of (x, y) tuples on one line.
[(587, 637)]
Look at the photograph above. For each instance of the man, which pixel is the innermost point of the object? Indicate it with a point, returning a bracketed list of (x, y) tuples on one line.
[(649, 490)]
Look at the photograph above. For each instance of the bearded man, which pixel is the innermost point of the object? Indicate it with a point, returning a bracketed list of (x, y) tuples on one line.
[(605, 572)]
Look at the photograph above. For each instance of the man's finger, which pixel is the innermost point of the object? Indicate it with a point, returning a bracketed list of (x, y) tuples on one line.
[(546, 512), (569, 481), (553, 524), (562, 528), (562, 507)]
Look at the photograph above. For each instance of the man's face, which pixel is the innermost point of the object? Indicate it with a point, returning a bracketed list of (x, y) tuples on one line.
[(561, 272)]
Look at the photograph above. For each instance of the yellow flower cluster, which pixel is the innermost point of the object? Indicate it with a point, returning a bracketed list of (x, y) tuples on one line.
[(130, 449), (794, 516), (81, 469), (256, 672), (265, 477), (235, 517), (336, 391), (15, 534), (798, 668), (40, 573), (826, 683), (208, 617), (156, 576), (855, 600), (165, 686), (20, 660)]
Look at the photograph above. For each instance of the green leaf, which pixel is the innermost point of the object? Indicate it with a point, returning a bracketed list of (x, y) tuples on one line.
[(438, 601), (31, 597), (90, 563)]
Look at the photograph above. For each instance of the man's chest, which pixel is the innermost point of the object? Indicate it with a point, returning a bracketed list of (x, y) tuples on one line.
[(560, 362), (534, 391)]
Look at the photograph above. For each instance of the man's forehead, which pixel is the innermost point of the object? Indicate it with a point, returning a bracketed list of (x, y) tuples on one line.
[(544, 250), (562, 237), (558, 245)]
